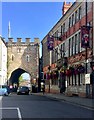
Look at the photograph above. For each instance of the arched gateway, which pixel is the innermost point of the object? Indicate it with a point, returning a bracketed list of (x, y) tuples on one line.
[(22, 57)]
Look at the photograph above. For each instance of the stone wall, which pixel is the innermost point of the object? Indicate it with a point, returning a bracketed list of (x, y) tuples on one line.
[(24, 55)]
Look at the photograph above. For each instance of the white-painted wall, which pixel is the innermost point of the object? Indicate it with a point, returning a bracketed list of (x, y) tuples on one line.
[(3, 62)]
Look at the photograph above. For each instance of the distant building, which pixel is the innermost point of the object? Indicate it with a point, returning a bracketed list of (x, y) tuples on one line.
[(3, 62)]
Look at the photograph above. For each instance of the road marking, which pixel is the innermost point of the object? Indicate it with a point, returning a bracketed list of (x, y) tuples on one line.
[(0, 106), (19, 114), (11, 108), (0, 97)]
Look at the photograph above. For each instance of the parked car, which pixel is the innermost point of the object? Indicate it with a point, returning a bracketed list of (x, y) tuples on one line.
[(7, 87), (3, 91), (23, 90)]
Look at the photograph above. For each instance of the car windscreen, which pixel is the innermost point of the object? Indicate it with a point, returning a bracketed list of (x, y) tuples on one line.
[(23, 88)]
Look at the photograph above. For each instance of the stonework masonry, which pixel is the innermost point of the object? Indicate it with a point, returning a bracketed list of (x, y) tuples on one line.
[(24, 55)]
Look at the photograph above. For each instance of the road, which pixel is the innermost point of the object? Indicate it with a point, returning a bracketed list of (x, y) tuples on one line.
[(35, 106)]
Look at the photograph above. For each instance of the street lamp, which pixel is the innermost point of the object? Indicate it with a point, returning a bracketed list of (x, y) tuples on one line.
[(61, 67), (50, 45), (61, 64), (49, 68)]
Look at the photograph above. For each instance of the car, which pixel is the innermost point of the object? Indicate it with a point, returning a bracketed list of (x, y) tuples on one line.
[(7, 87), (3, 91), (23, 90)]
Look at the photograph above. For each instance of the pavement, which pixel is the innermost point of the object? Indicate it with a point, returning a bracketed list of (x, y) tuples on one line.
[(82, 101)]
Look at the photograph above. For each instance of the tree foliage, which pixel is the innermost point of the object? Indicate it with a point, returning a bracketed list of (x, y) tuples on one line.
[(21, 79)]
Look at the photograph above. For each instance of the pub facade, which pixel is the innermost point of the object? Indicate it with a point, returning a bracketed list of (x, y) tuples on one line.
[(66, 64)]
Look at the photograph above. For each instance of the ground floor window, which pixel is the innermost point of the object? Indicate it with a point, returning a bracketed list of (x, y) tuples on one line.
[(54, 81), (68, 80), (79, 79), (75, 79)]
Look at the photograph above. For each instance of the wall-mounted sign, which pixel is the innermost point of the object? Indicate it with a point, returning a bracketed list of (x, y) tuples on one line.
[(85, 37), (50, 42), (87, 78)]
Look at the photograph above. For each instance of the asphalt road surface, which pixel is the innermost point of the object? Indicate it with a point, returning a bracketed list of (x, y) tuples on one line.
[(35, 106)]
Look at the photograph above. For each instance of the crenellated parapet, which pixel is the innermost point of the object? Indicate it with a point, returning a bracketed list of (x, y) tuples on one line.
[(20, 42)]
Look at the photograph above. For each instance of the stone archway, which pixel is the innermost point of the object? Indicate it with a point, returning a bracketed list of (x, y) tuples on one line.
[(14, 78)]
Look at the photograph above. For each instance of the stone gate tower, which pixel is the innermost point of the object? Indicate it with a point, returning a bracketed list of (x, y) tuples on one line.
[(23, 56)]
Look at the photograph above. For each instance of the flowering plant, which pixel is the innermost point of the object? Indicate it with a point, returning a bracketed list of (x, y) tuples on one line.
[(68, 72), (71, 69), (81, 69)]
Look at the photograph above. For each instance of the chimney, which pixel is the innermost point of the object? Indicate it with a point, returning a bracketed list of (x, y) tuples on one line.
[(27, 40), (65, 7)]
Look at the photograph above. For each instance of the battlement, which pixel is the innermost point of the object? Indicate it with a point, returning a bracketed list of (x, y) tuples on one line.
[(19, 41)]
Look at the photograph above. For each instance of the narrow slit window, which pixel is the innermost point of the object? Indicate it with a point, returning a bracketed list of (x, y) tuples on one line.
[(27, 58)]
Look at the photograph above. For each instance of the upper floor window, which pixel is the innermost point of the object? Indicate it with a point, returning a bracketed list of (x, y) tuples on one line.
[(79, 42), (76, 45), (55, 35), (72, 19), (69, 47), (63, 28), (72, 50), (69, 22), (79, 12), (76, 16)]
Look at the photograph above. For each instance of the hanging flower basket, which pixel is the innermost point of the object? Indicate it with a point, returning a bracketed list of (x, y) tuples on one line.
[(72, 70), (81, 69), (68, 72), (48, 76), (76, 71), (62, 73), (55, 74)]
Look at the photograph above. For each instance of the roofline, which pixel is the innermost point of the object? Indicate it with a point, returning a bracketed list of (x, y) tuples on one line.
[(59, 20)]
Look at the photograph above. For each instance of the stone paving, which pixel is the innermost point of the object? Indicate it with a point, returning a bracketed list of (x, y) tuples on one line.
[(86, 102)]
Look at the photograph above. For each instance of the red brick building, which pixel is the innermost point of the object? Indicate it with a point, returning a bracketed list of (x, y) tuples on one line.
[(68, 28)]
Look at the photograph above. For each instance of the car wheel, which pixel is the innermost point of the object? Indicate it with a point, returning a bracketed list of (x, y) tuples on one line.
[(6, 94)]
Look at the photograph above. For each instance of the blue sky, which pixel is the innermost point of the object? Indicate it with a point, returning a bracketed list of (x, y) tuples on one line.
[(30, 19)]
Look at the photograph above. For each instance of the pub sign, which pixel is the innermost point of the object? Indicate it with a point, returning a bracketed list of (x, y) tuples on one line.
[(85, 37), (50, 42)]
